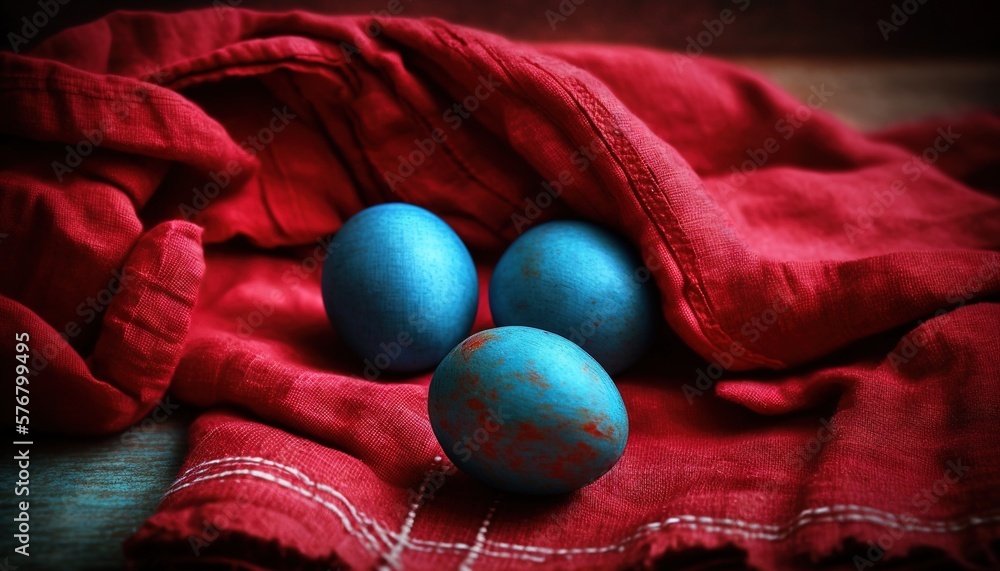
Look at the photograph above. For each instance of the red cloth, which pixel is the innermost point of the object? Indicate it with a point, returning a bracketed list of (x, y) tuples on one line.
[(864, 381)]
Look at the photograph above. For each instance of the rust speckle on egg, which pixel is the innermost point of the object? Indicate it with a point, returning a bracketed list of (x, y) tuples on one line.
[(527, 432), (565, 465), (592, 429), (468, 380), (530, 266), (441, 418), (489, 449), (472, 344), (476, 404), (537, 380), (514, 460)]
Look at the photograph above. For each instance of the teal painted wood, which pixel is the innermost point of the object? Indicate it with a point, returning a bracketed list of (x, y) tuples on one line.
[(88, 495)]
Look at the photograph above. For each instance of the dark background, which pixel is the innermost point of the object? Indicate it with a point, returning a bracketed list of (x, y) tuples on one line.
[(943, 60), (938, 28)]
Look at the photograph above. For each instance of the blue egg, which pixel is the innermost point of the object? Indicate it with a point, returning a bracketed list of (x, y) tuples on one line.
[(527, 411), (400, 288), (582, 282)]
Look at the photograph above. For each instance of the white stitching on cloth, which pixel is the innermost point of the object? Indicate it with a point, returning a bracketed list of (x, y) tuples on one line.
[(840, 513), (389, 538), (393, 558), (693, 522), (408, 544), (288, 485), (477, 547), (359, 516)]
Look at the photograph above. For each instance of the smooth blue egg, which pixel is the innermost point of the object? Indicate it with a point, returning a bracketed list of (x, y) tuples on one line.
[(583, 282), (399, 287), (527, 411)]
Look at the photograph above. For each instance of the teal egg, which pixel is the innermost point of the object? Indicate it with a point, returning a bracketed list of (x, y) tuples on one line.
[(527, 411), (400, 287), (583, 282)]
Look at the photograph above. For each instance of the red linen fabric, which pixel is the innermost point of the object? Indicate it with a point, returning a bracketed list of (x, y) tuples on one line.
[(828, 388)]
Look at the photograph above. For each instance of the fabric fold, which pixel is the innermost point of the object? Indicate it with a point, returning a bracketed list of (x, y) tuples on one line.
[(829, 294)]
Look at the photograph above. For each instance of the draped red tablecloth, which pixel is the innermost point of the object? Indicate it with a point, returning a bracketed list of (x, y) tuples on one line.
[(827, 389)]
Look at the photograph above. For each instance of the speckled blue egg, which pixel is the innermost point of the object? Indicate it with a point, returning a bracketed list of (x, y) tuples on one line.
[(583, 282), (527, 411), (399, 287)]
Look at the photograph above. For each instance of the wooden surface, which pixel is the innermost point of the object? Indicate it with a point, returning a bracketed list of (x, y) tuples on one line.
[(89, 495)]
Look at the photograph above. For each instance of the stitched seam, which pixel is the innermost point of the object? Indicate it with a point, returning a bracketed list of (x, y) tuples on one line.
[(636, 170), (840, 513), (358, 515), (477, 547), (647, 179), (289, 486), (685, 251), (411, 517), (555, 124)]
